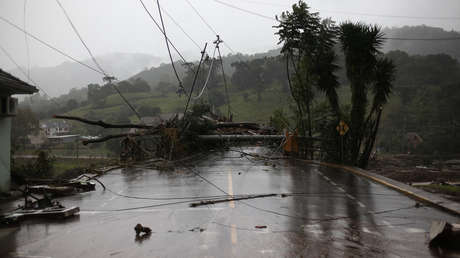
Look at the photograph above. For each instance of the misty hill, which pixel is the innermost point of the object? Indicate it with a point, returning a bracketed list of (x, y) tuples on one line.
[(418, 47), (164, 72), (60, 79)]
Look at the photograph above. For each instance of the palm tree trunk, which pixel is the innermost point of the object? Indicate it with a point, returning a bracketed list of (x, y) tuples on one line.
[(359, 101), (370, 143)]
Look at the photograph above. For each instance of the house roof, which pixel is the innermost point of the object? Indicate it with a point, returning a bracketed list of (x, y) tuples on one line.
[(12, 85)]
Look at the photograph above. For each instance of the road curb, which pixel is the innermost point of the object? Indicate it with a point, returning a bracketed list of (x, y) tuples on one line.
[(418, 194)]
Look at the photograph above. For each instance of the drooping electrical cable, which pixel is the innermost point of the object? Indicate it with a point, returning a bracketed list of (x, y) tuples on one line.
[(181, 28), (212, 29), (167, 46), (229, 112), (201, 17), (25, 74), (244, 10), (422, 39), (345, 12), (107, 77), (362, 14), (81, 38), (194, 78), (26, 39), (162, 32), (49, 45), (208, 76)]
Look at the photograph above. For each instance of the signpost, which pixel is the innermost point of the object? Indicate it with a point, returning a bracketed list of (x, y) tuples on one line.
[(342, 129)]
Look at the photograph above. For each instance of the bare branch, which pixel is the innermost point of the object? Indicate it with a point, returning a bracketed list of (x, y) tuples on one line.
[(101, 123)]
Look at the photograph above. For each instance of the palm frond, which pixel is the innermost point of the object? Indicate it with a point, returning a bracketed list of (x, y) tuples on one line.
[(384, 76)]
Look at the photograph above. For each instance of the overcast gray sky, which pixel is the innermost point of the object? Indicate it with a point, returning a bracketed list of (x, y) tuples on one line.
[(123, 26)]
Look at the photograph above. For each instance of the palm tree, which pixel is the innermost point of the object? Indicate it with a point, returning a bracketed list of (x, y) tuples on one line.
[(365, 70), (384, 75)]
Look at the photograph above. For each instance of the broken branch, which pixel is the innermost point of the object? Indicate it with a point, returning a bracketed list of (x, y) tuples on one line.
[(114, 136), (101, 123)]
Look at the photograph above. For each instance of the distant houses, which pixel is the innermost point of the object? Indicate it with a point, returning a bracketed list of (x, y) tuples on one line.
[(53, 131), (54, 127)]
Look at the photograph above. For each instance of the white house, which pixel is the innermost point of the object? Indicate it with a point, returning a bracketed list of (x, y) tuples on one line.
[(54, 127), (9, 85)]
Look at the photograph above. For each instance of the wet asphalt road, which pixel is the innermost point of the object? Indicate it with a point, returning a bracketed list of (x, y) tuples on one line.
[(331, 214)]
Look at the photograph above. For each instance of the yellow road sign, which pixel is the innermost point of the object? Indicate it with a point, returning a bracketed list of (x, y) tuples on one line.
[(342, 128)]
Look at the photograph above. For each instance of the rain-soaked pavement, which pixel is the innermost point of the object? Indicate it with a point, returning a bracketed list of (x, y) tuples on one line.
[(331, 214)]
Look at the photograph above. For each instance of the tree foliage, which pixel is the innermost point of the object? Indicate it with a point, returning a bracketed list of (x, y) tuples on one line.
[(308, 47), (24, 124)]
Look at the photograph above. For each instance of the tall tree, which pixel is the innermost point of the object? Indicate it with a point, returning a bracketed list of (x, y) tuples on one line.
[(308, 45), (366, 69)]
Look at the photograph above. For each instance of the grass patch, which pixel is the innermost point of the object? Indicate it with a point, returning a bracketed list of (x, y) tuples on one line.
[(443, 189), (61, 166)]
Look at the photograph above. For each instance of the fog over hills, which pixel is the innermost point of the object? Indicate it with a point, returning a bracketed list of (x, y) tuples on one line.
[(413, 47), (60, 79), (421, 47)]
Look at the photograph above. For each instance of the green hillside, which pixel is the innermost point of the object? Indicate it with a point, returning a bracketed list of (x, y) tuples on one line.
[(244, 104)]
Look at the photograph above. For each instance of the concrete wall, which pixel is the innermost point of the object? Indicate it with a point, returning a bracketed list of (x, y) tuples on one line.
[(5, 152)]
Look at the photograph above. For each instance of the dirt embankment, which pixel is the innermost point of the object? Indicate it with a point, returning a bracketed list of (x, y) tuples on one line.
[(415, 168)]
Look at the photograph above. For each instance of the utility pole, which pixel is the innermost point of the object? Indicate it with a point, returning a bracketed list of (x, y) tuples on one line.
[(218, 41)]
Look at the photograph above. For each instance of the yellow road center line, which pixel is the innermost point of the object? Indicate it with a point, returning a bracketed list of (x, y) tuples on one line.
[(231, 204), (230, 188), (233, 235)]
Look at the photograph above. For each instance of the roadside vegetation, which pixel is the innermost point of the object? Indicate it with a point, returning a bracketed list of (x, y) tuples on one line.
[(51, 167)]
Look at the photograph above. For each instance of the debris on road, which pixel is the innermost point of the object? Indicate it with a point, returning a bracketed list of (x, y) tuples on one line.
[(141, 229), (39, 207), (260, 227), (414, 168), (208, 202), (445, 235), (197, 229), (59, 187)]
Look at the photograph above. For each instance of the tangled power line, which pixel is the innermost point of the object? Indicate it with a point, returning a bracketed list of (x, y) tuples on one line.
[(106, 77)]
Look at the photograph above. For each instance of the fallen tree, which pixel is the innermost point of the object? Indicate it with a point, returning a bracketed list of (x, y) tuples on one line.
[(115, 136), (173, 137)]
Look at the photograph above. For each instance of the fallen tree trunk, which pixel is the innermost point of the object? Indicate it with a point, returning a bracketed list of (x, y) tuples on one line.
[(245, 125), (101, 123), (114, 136)]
